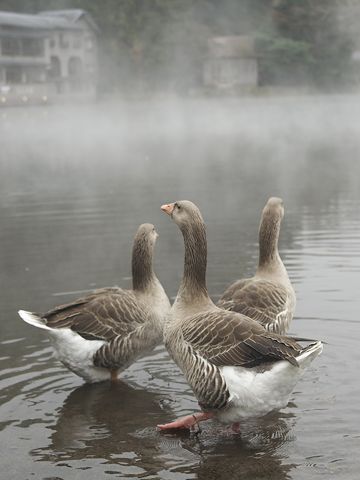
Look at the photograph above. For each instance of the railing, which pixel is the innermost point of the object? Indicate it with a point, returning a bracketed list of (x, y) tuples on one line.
[(29, 93)]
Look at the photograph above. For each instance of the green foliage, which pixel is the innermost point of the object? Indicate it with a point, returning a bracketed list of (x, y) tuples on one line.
[(283, 61), (317, 23), (285, 50)]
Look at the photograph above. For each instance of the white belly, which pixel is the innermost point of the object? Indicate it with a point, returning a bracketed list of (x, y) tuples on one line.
[(76, 353), (254, 393)]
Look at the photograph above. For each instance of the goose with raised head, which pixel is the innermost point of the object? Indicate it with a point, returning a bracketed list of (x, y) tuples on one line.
[(268, 297), (101, 334), (235, 367)]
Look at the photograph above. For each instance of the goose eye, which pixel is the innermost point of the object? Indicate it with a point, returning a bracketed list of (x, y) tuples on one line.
[(177, 206)]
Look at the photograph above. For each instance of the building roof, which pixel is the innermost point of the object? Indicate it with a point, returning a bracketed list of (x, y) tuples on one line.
[(71, 15), (48, 20), (232, 46), (22, 20)]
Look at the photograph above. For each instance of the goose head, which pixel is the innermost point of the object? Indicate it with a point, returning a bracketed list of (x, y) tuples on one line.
[(146, 236), (269, 232), (184, 213), (142, 256), (274, 209)]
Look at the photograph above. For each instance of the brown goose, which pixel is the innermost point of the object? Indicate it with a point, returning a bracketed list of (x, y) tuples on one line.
[(99, 335), (235, 367), (268, 297)]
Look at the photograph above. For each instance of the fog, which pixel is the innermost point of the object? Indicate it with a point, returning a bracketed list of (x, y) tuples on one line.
[(68, 146), (100, 170)]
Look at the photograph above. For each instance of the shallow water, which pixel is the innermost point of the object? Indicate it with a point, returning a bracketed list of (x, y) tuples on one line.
[(74, 186)]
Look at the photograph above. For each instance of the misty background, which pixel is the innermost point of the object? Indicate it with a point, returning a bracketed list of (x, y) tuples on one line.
[(160, 45)]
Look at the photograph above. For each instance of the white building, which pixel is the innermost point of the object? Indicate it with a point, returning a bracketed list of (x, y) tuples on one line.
[(47, 56)]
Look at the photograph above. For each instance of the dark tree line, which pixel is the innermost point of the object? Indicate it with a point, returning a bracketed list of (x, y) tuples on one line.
[(161, 44)]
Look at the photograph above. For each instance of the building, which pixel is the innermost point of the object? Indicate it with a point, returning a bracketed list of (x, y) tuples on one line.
[(48, 56), (231, 64)]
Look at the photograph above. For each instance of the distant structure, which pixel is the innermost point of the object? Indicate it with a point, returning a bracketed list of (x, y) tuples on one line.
[(48, 56), (231, 64)]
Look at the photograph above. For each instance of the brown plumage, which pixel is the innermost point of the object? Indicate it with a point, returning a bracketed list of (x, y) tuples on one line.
[(226, 339), (217, 350), (268, 297), (108, 329), (101, 315)]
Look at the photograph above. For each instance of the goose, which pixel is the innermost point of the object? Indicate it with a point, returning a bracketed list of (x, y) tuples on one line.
[(235, 367), (101, 334), (268, 297)]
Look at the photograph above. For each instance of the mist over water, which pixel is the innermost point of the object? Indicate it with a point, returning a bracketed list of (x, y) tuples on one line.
[(75, 183)]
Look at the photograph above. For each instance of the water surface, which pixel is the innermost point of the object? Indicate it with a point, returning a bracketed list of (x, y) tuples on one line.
[(74, 186)]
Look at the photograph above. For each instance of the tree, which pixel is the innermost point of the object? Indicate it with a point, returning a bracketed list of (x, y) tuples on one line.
[(315, 24)]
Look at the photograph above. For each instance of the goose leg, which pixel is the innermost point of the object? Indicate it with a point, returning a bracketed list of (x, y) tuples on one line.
[(186, 422)]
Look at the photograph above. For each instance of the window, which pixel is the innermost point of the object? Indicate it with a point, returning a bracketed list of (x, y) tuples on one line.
[(13, 75), (55, 68), (63, 41), (11, 46), (27, 47), (52, 42), (33, 47), (77, 41)]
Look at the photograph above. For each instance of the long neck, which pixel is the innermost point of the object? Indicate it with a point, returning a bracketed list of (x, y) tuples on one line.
[(142, 266), (193, 285), (268, 242)]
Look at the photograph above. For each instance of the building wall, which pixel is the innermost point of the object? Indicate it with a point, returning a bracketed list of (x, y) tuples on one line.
[(228, 73), (75, 53)]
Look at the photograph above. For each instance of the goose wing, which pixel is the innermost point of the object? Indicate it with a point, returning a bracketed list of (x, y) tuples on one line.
[(103, 314), (230, 339), (266, 302), (122, 350)]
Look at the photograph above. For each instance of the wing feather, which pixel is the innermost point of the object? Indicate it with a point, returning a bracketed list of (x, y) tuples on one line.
[(268, 303), (231, 339), (103, 314)]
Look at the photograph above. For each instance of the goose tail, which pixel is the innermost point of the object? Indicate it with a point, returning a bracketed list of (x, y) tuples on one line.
[(33, 319), (309, 354)]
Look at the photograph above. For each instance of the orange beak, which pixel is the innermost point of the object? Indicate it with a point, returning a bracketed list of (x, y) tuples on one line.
[(168, 208)]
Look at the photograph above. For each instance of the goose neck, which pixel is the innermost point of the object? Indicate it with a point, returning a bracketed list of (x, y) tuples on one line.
[(268, 242), (193, 284), (142, 267)]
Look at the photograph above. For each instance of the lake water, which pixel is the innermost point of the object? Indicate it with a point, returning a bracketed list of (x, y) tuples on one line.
[(74, 186)]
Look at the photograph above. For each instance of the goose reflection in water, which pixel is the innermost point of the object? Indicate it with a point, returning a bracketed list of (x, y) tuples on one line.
[(102, 420), (258, 453), (109, 422)]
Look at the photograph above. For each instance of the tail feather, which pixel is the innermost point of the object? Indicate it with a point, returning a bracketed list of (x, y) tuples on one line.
[(309, 354), (33, 319), (305, 339)]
